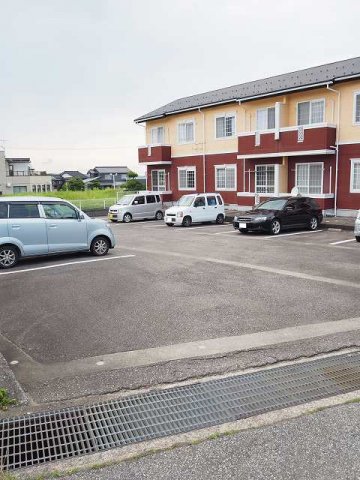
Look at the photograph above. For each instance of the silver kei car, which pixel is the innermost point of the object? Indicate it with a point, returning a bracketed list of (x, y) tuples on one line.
[(31, 226)]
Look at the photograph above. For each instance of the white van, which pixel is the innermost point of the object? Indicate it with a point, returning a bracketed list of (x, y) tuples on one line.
[(196, 208), (138, 206)]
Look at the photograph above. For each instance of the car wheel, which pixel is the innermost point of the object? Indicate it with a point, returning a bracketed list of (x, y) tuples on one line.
[(243, 230), (313, 224), (275, 227), (100, 246), (8, 256), (127, 218), (187, 221), (357, 239), (159, 215), (220, 219), (170, 224)]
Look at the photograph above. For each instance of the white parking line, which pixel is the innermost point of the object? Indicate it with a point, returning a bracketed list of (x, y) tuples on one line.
[(295, 233), (343, 241), (12, 272)]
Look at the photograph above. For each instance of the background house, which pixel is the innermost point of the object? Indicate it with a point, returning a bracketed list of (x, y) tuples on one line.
[(108, 176), (59, 179), (18, 176)]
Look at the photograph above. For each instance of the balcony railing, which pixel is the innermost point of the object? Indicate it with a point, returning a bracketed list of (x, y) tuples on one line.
[(155, 154), (302, 138)]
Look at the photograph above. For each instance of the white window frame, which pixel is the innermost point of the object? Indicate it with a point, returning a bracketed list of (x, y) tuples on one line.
[(157, 135), (310, 111), (225, 115), (356, 94), (322, 176), (221, 167), (276, 178), (352, 171), (158, 170), (193, 169), (177, 131), (267, 119)]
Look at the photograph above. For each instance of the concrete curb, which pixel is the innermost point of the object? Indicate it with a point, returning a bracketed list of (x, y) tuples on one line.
[(8, 381)]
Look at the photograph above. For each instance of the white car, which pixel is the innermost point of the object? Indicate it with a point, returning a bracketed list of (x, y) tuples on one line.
[(196, 208), (139, 206), (357, 227)]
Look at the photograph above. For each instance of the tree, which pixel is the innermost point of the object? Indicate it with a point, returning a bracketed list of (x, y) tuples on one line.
[(95, 184), (133, 184), (74, 184)]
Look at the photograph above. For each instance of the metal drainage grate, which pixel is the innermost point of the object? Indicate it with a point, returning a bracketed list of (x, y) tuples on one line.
[(42, 437)]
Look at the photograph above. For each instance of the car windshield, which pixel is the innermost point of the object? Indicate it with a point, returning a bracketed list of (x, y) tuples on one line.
[(125, 200), (276, 204), (186, 200)]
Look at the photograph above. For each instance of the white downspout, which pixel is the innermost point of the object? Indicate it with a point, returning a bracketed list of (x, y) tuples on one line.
[(336, 147), (203, 154)]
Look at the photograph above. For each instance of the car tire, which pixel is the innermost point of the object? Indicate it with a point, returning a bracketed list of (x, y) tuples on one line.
[(357, 239), (187, 221), (313, 223), (243, 230), (170, 224), (9, 256), (220, 219), (275, 227), (100, 246), (127, 218), (159, 215)]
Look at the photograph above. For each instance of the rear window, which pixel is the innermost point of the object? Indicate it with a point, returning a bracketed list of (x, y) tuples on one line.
[(158, 198), (24, 210), (3, 210), (313, 203), (211, 201), (219, 199), (150, 199)]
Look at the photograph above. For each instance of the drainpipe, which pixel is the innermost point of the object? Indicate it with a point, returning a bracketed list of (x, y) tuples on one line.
[(336, 146), (203, 154)]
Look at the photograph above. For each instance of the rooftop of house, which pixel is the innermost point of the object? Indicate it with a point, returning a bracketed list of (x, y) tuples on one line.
[(113, 169), (72, 173), (299, 80), (17, 160)]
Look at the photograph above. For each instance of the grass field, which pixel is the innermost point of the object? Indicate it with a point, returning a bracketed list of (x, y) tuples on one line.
[(88, 199)]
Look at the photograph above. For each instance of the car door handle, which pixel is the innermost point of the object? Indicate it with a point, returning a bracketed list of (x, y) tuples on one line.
[(16, 227), (52, 226), (203, 208)]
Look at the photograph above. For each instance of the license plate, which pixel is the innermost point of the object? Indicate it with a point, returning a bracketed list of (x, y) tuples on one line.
[(242, 225), (110, 216)]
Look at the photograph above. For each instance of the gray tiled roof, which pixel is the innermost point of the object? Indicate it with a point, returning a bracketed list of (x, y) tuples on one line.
[(111, 169), (272, 85)]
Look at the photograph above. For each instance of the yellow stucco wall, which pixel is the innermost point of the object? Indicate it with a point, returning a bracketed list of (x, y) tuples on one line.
[(246, 119)]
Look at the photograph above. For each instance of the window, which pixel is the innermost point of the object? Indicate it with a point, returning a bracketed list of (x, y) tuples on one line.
[(34, 188), (158, 180), (157, 198), (150, 199), (309, 177), (59, 211), (355, 176), (3, 210), (39, 188), (219, 199), (19, 189), (265, 118), (139, 200), (186, 132), (310, 112), (199, 202), (186, 178), (225, 177), (265, 178), (225, 126), (48, 188), (43, 188), (157, 135), (211, 201), (357, 108), (23, 210)]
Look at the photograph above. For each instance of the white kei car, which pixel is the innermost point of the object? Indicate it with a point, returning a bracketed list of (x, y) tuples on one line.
[(357, 227), (196, 208)]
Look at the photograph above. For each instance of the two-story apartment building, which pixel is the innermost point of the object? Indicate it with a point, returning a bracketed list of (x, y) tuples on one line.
[(17, 176), (262, 138)]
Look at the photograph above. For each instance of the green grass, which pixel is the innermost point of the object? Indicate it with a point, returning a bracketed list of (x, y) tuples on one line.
[(5, 400), (88, 199)]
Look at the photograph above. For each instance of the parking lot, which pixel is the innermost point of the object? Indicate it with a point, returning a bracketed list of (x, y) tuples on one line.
[(172, 294)]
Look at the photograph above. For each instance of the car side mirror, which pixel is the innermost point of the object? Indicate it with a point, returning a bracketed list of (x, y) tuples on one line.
[(135, 202), (81, 216)]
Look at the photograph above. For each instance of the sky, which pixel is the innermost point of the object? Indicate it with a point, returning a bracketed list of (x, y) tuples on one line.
[(75, 73)]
